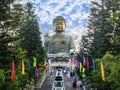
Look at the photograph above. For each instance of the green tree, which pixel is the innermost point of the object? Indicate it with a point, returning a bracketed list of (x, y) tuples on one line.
[(102, 35), (112, 73), (30, 39)]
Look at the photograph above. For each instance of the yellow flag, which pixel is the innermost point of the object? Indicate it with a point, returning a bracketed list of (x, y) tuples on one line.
[(23, 67), (73, 66), (80, 67), (102, 72)]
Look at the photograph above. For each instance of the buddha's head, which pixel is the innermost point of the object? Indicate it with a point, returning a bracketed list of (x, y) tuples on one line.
[(46, 35), (59, 24)]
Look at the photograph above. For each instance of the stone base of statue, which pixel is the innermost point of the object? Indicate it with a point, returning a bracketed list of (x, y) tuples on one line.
[(71, 54), (62, 55), (60, 59)]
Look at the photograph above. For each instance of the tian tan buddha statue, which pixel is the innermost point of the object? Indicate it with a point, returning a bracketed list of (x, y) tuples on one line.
[(59, 42)]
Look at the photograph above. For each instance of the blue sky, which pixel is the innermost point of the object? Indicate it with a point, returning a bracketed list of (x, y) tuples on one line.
[(75, 12)]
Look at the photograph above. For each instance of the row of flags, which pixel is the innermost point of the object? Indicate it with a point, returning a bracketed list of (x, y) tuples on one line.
[(85, 64), (75, 63), (37, 69)]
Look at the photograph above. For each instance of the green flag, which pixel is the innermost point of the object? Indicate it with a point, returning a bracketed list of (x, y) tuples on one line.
[(45, 63), (83, 72), (34, 61)]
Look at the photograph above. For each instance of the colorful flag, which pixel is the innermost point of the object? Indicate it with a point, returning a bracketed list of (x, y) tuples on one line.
[(36, 73), (94, 65), (84, 61), (46, 67), (83, 72), (88, 64), (73, 66), (13, 72), (80, 67), (102, 72), (75, 62), (70, 62), (39, 67), (23, 67), (34, 61)]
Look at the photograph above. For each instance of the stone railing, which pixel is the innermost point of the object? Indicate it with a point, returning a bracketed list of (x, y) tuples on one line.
[(32, 84)]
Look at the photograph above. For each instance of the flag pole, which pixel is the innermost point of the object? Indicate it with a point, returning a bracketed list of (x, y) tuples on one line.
[(13, 74), (22, 82), (34, 66), (12, 86)]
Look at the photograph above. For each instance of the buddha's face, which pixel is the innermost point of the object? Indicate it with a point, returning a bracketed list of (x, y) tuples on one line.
[(59, 26)]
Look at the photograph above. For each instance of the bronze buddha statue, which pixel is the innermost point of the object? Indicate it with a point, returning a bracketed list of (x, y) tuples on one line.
[(60, 42)]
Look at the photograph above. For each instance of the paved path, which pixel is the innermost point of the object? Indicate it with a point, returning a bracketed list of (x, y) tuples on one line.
[(47, 84)]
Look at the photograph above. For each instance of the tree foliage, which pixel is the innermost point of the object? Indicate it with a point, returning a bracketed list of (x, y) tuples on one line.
[(19, 39), (112, 73), (102, 43), (103, 34)]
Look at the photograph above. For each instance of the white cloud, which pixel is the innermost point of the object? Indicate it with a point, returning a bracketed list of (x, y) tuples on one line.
[(75, 31), (69, 22), (71, 10)]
